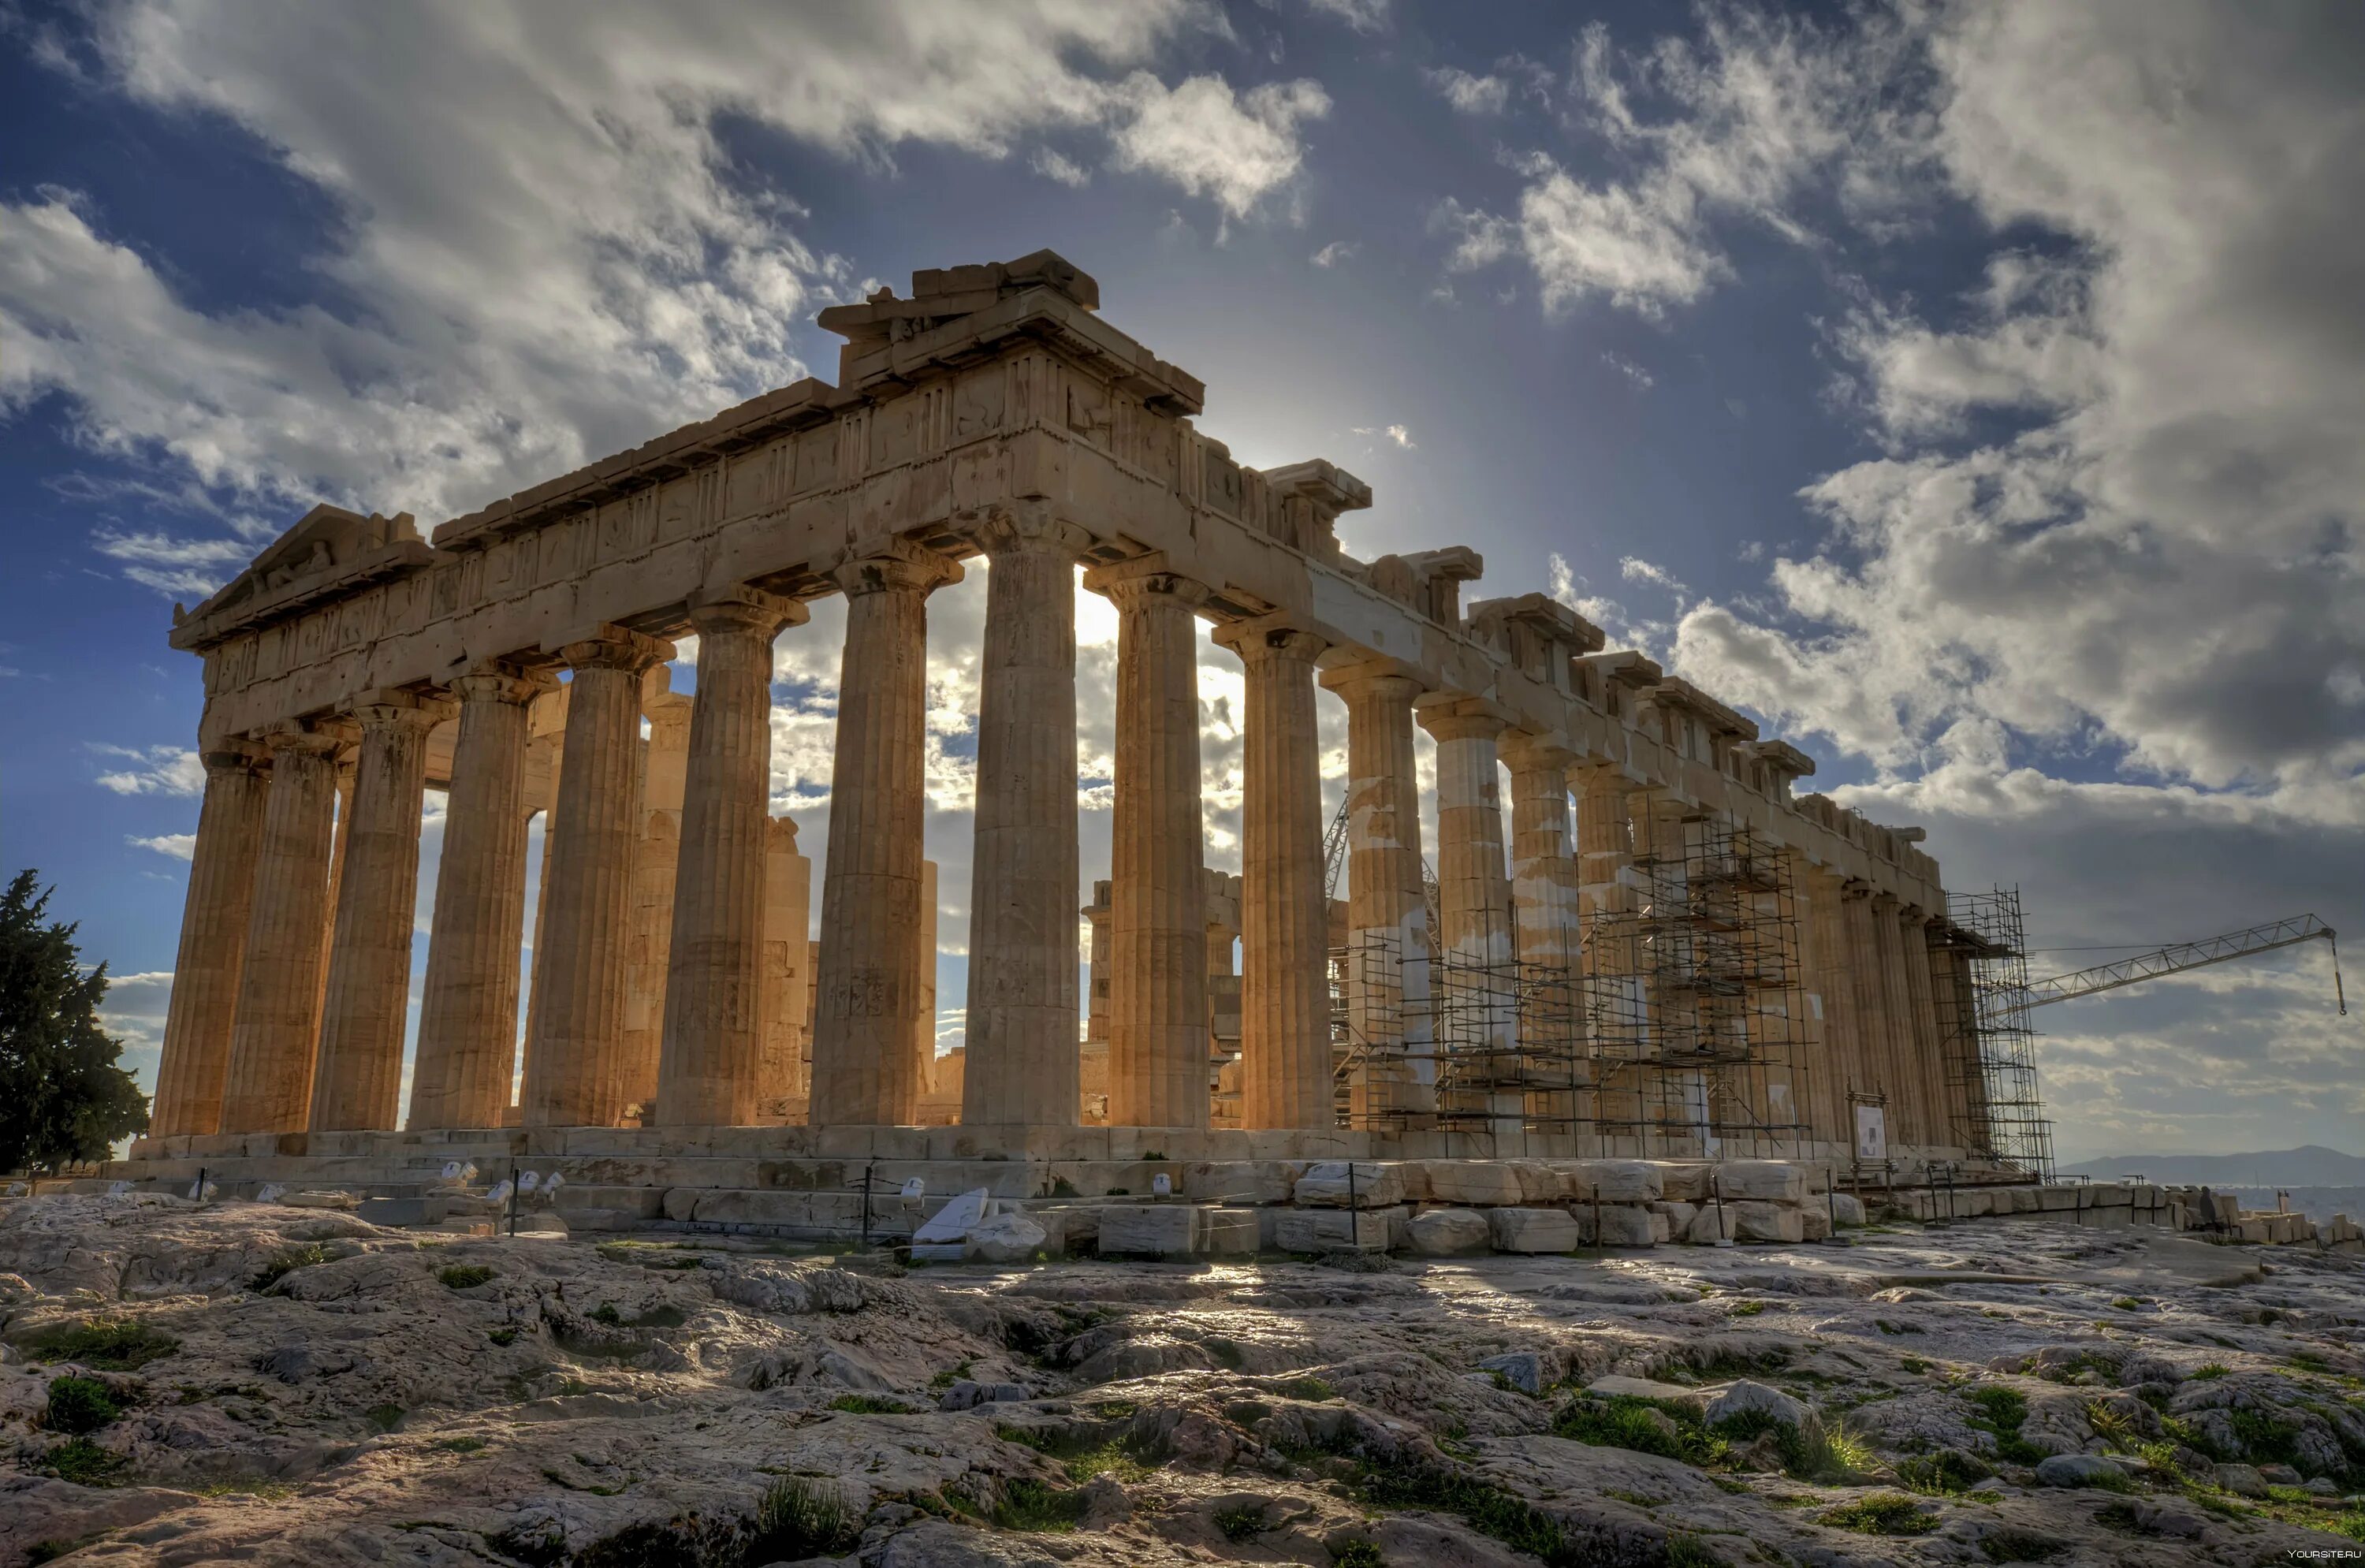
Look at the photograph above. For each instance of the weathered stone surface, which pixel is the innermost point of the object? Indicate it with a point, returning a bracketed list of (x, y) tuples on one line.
[(1155, 1230), (1323, 1230), (1326, 1184), (1621, 1181), (2080, 1470), (1444, 1233), (1533, 1230), (1744, 1396), (1012, 1237), (1622, 1224), (1767, 1181), (1485, 1182), (1766, 1222), (1846, 1209)]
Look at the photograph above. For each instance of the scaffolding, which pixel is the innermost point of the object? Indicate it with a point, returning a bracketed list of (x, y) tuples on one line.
[(1988, 1042), (1694, 999)]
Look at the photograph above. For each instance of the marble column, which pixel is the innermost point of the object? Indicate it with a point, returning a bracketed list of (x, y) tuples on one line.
[(656, 861), (784, 1082), (468, 1001), (1387, 904), (1618, 1019), (1875, 1057), (196, 1061), (923, 1022), (1157, 924), (710, 1074), (574, 1067), (1908, 1117), (346, 766), (1021, 1065), (1285, 1074), (1921, 1021), (869, 995), (1477, 993), (358, 1085), (269, 1087), (1547, 924), (554, 746)]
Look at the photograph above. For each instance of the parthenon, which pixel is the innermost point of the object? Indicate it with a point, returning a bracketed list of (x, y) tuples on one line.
[(1669, 952)]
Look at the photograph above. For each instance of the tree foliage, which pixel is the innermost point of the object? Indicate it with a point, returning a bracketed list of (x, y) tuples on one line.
[(62, 1096)]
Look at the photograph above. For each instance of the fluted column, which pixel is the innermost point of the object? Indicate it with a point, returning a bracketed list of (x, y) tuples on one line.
[(1922, 1024), (1477, 992), (864, 1070), (1157, 926), (196, 1061), (1387, 902), (785, 1079), (1022, 1064), (1616, 1017), (269, 1088), (656, 860), (359, 1081), (711, 1070), (574, 1058), (1284, 909), (468, 1001), (1547, 922), (1875, 1057)]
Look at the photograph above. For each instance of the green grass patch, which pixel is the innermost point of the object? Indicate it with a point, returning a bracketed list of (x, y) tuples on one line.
[(285, 1263), (1999, 1412), (1626, 1421), (1487, 1509), (2010, 1544), (2208, 1372), (108, 1344), (79, 1406), (949, 1376), (865, 1404), (1883, 1513), (1242, 1523), (796, 1520), (384, 1417), (1747, 1308), (2126, 1303), (1357, 1552), (1084, 1453), (1814, 1450), (459, 1445), (1031, 1505), (83, 1462), (505, 1335), (1313, 1390), (1949, 1473), (1913, 1364), (464, 1276)]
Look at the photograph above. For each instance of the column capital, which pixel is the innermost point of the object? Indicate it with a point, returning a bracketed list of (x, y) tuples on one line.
[(493, 680), (1600, 775), (1525, 752), (293, 738), (607, 646), (233, 758), (1269, 638), (739, 608), (1024, 528), (1468, 720), (899, 564), (1377, 677), (1143, 578), (389, 707)]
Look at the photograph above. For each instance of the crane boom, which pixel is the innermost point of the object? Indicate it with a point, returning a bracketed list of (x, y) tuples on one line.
[(2178, 957)]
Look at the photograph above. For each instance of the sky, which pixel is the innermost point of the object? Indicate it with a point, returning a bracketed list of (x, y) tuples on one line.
[(1969, 393)]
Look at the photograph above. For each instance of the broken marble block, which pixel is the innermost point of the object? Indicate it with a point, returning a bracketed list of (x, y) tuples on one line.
[(1766, 1222), (1534, 1230), (1620, 1182), (1339, 1230), (1152, 1231), (1846, 1209), (1761, 1181), (1484, 1183), (1326, 1184), (1444, 1233), (1011, 1238), (1623, 1225)]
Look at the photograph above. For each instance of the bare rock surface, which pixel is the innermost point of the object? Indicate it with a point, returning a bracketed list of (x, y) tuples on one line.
[(279, 1385)]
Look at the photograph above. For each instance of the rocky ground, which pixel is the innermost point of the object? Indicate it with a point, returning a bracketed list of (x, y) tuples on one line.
[(246, 1382)]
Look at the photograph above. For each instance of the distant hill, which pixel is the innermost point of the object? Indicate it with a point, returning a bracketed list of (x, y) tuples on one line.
[(2313, 1166)]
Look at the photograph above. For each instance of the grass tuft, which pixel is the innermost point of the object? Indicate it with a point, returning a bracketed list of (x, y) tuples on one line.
[(1241, 1522), (285, 1263), (864, 1405), (1883, 1513), (1949, 1473), (464, 1276), (106, 1344), (798, 1519), (79, 1406), (1031, 1505), (1358, 1552), (83, 1462)]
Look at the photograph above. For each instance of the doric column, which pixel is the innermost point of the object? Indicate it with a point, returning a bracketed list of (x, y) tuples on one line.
[(1477, 991), (1616, 1015), (196, 1061), (1873, 1057), (346, 766), (712, 1065), (923, 1023), (1285, 919), (864, 1073), (271, 1054), (574, 1070), (1546, 917), (1387, 904), (785, 1079), (1021, 1062), (1922, 1024), (359, 1083), (656, 860), (1157, 926), (468, 1002), (1908, 1121), (555, 747)]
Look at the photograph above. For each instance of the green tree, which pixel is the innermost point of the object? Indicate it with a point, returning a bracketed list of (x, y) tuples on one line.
[(62, 1095)]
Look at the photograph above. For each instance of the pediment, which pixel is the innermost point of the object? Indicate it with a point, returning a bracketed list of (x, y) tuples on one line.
[(328, 551)]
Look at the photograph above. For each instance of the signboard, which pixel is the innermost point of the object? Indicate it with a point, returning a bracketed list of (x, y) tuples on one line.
[(1871, 1133)]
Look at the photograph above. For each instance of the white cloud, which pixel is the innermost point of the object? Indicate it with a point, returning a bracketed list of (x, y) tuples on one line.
[(1626, 367), (541, 249), (1362, 16), (179, 845), (1338, 251), (1399, 435), (1469, 95), (155, 770), (1058, 166), (1236, 147)]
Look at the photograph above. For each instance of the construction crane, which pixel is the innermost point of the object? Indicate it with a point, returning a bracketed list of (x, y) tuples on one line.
[(2178, 957), (1334, 863)]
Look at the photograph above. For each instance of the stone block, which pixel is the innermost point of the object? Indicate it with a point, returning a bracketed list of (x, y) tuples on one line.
[(1766, 1222), (1006, 1239), (1327, 1183), (1230, 1233), (1846, 1209), (1760, 1180), (1814, 1221), (1543, 1185), (1153, 1231), (1683, 1183), (1622, 1224), (1241, 1180), (1445, 1232), (1481, 1183), (392, 1211), (681, 1203), (1621, 1181), (2057, 1199), (1533, 1230), (1744, 1397), (1335, 1230), (1523, 1369), (1714, 1223), (1678, 1216)]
